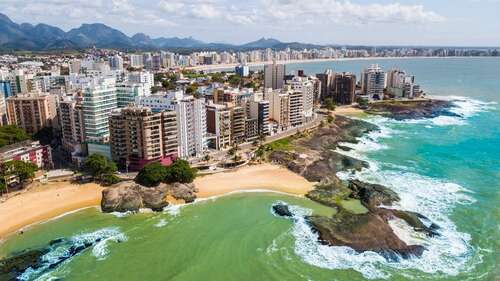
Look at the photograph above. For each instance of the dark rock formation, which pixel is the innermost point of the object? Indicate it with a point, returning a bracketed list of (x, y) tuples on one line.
[(413, 219), (14, 266), (282, 210), (415, 109), (366, 232), (372, 195), (129, 196), (62, 250)]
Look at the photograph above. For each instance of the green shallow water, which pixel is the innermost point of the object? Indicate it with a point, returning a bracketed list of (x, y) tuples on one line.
[(230, 238)]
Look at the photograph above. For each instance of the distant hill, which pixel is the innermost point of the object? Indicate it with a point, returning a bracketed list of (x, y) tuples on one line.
[(42, 37)]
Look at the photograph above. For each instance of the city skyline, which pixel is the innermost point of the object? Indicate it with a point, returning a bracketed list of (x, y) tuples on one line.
[(360, 22)]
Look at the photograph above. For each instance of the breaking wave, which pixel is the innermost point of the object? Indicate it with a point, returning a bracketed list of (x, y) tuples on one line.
[(62, 251), (445, 255)]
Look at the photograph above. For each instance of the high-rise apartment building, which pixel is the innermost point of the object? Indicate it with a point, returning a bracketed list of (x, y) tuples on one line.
[(71, 121), (274, 75), (327, 83), (32, 112), (116, 62), (373, 81), (345, 88), (306, 87), (238, 117), (139, 136), (279, 108), (296, 116), (219, 127), (191, 119), (127, 92), (135, 61), (99, 99)]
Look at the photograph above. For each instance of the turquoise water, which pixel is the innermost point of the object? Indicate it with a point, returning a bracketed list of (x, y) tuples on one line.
[(447, 168)]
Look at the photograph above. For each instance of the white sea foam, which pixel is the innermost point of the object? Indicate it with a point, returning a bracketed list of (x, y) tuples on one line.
[(173, 210), (161, 223), (61, 251), (122, 214), (446, 254)]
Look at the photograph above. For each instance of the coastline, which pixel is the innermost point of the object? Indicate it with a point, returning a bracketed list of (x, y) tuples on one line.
[(53, 200), (214, 67), (44, 203)]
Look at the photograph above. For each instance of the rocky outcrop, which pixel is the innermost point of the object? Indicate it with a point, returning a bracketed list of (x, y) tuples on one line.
[(413, 109), (365, 232), (315, 159), (372, 195), (180, 191), (282, 210), (129, 196), (413, 219), (12, 267)]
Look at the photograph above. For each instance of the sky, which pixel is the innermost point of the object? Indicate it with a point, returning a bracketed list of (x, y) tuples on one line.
[(378, 22)]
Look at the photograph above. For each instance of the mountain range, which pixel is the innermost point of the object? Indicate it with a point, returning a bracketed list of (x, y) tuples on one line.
[(44, 37)]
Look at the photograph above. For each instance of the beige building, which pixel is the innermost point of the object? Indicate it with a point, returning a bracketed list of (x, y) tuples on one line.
[(279, 108), (219, 126), (139, 136), (32, 112)]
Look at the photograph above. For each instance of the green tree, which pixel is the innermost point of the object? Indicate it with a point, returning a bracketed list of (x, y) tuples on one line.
[(98, 165), (329, 104), (151, 174), (11, 134), (235, 80), (191, 89), (180, 171), (24, 171), (109, 179)]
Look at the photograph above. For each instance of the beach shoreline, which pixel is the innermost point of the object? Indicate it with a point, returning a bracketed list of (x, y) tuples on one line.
[(214, 67), (46, 202)]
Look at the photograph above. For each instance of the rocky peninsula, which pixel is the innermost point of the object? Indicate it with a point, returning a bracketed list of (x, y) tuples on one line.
[(411, 109), (366, 227)]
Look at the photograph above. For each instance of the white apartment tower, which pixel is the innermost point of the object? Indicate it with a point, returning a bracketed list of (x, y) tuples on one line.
[(373, 82), (99, 99)]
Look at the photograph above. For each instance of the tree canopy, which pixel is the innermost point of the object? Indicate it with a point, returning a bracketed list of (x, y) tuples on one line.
[(98, 165), (11, 134), (24, 171), (154, 173)]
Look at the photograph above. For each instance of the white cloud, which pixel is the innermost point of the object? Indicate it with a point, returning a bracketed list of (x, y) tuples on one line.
[(348, 12)]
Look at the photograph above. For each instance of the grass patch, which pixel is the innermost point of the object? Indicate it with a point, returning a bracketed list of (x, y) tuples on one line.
[(282, 144), (353, 206)]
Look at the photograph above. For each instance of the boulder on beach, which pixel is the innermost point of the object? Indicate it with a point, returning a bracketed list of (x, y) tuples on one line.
[(129, 196)]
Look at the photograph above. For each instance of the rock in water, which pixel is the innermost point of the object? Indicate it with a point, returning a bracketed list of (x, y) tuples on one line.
[(13, 266), (366, 232), (372, 195), (282, 210)]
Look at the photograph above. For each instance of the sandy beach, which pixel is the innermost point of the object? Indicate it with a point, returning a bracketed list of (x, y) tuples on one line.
[(44, 202), (213, 67), (262, 177), (347, 110)]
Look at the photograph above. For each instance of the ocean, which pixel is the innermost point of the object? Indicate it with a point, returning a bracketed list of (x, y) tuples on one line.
[(447, 168)]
